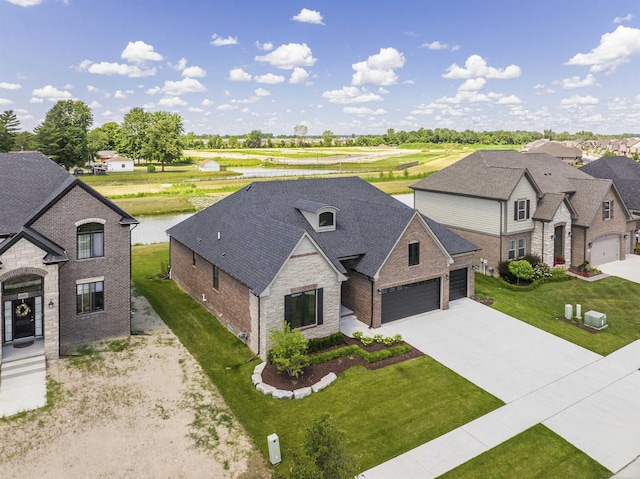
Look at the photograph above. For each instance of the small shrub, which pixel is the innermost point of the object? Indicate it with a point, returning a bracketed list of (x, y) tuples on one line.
[(358, 335), (583, 266), (503, 271), (288, 352), (533, 259), (151, 169), (317, 344), (541, 270), (378, 338), (397, 338), (366, 340), (388, 341), (521, 269)]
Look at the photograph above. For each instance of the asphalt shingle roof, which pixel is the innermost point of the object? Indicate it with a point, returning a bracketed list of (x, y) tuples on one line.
[(260, 225), (625, 174)]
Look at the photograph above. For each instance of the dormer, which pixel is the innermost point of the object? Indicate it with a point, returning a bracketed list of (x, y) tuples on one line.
[(322, 217)]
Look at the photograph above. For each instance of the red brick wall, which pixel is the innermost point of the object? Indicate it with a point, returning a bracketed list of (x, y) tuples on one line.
[(356, 295), (230, 303)]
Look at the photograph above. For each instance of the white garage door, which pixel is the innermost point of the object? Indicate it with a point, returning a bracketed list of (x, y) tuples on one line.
[(605, 250)]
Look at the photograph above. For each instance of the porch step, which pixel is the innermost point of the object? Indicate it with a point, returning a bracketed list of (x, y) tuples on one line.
[(23, 367), (344, 311)]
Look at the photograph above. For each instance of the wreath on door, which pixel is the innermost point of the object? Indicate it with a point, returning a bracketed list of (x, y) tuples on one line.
[(22, 310)]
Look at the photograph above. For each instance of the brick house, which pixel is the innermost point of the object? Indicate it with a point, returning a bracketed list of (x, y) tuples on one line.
[(513, 204), (298, 250), (64, 258)]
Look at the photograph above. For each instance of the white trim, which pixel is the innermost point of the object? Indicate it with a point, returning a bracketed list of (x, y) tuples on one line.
[(89, 280), (90, 220)]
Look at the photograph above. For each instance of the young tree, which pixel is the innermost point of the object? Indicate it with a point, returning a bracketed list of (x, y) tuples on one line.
[(162, 142), (327, 138), (63, 134), (521, 269), (300, 131), (215, 142), (325, 455), (132, 134), (253, 139), (288, 350), (9, 128)]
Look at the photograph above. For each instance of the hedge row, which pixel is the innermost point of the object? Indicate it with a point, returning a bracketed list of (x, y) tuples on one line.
[(538, 282), (366, 355)]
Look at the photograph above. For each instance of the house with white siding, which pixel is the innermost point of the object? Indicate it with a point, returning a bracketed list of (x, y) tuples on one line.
[(512, 204)]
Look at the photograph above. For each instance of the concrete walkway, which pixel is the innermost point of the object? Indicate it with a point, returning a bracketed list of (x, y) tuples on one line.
[(589, 400), (23, 384), (628, 269)]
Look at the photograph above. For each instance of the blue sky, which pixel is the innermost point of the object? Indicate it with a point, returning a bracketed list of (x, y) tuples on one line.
[(351, 66)]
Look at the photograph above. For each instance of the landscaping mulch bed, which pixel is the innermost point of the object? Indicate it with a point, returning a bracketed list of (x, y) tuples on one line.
[(312, 374), (579, 325)]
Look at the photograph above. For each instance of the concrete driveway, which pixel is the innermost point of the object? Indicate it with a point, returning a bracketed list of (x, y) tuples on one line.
[(628, 269), (589, 400)]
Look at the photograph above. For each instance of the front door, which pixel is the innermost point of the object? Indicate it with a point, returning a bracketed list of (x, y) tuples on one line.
[(24, 316), (558, 242)]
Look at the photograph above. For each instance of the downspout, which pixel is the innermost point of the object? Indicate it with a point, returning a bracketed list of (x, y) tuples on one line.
[(584, 244), (501, 228), (542, 241), (372, 291)]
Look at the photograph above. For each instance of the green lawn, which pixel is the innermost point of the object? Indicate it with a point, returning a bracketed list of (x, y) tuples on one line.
[(615, 297), (537, 453), (384, 412)]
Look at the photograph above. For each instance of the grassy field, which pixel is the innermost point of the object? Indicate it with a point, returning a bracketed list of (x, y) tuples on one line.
[(384, 412), (534, 454), (143, 193), (615, 297)]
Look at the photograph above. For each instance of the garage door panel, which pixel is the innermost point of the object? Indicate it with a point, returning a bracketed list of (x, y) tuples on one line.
[(605, 250), (410, 299), (458, 281)]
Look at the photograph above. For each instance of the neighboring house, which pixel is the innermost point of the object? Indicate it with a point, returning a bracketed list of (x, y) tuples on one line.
[(296, 251), (64, 258), (118, 163), (625, 174), (568, 153), (512, 204), (210, 165)]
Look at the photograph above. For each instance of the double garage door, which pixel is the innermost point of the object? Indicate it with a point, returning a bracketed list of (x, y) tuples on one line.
[(605, 250)]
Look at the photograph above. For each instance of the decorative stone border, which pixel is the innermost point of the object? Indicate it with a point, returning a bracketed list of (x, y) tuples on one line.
[(268, 390)]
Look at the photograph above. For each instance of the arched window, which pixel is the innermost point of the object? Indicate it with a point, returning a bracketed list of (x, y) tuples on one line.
[(90, 240)]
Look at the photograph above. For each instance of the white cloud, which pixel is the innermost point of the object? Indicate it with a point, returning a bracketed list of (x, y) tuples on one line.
[(473, 84), (180, 87), (171, 101), (112, 68), (363, 111), (350, 94), (299, 76), (378, 69), (626, 18), (181, 65), (289, 56), (308, 16), (218, 41), (119, 94), (509, 100), (93, 89), (25, 3), (140, 52), (194, 109), (577, 82), (5, 101), (51, 93), (227, 107), (269, 78), (154, 90), (206, 102), (435, 46), (36, 100), (238, 74), (476, 67), (578, 100), (616, 48), (10, 86), (455, 48), (95, 104), (262, 92), (194, 72), (265, 47)]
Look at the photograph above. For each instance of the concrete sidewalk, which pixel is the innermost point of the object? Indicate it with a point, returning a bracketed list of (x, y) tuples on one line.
[(628, 269), (589, 400)]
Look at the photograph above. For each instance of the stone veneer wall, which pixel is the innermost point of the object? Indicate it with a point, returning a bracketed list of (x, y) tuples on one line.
[(542, 243), (310, 270), (26, 258), (59, 225)]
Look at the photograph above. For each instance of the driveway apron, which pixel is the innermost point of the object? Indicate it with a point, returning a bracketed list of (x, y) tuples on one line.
[(628, 269), (588, 400)]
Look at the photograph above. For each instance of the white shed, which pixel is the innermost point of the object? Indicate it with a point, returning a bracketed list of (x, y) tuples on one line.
[(119, 163), (210, 165)]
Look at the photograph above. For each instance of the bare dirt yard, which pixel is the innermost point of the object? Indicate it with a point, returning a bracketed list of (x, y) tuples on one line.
[(132, 408)]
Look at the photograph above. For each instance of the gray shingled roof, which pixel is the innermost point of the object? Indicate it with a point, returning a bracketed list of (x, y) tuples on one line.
[(29, 183), (260, 225), (625, 174), (548, 206)]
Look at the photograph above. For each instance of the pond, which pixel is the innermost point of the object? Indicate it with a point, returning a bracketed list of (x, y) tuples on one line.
[(152, 228)]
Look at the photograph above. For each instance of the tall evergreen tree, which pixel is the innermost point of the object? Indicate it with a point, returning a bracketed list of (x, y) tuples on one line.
[(9, 128)]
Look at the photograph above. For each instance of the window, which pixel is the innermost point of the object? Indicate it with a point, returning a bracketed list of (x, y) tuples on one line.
[(414, 253), (90, 297), (193, 258), (325, 219), (607, 210), (90, 240), (512, 249), (522, 246), (216, 277), (304, 308), (521, 210)]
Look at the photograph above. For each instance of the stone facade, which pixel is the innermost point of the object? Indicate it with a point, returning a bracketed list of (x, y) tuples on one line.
[(543, 238)]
